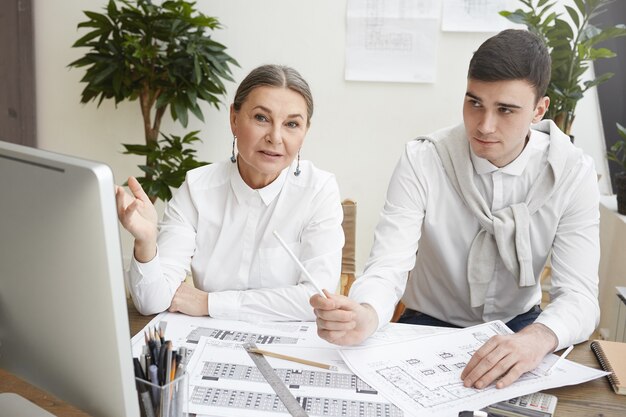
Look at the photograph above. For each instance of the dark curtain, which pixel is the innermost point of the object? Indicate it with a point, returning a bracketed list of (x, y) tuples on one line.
[(17, 73), (611, 94)]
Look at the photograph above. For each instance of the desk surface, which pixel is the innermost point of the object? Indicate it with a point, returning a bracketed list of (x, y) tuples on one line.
[(593, 398)]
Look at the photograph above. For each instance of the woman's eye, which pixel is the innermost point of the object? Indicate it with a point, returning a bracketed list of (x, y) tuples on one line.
[(260, 118), (293, 124)]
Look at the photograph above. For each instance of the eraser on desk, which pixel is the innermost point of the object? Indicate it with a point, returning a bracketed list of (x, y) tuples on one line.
[(477, 413)]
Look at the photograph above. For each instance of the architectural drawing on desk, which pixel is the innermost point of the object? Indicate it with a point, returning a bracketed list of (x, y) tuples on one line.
[(241, 336), (422, 375), (233, 382), (256, 402), (185, 330), (293, 378), (434, 379)]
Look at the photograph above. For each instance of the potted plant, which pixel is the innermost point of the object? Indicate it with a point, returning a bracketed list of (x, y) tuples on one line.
[(618, 154), (163, 56), (571, 43)]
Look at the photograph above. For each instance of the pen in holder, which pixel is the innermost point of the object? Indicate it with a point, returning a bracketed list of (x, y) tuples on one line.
[(167, 400), (160, 376)]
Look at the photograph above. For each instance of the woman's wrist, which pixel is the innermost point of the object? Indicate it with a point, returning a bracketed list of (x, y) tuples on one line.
[(145, 251)]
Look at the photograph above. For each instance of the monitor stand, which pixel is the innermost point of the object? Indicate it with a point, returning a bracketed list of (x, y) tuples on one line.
[(15, 405)]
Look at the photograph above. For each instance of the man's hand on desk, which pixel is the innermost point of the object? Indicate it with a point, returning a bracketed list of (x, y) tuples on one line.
[(508, 357), (190, 300), (343, 321)]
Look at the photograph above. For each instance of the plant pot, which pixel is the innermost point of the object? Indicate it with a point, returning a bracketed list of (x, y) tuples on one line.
[(620, 190)]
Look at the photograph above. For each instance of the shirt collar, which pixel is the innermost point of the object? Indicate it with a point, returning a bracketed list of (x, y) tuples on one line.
[(243, 192), (515, 167)]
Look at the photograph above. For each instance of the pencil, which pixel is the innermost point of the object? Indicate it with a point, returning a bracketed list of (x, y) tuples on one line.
[(173, 368), (553, 367), (297, 261), (161, 333), (292, 359)]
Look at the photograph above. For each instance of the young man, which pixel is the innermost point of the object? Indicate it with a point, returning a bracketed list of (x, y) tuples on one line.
[(472, 212)]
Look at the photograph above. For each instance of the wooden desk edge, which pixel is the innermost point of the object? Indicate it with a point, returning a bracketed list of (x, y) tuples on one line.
[(50, 403)]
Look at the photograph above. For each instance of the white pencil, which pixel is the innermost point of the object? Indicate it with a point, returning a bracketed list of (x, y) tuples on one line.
[(559, 360), (297, 261)]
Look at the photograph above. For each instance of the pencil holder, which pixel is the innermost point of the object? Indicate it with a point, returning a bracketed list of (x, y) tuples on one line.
[(167, 400)]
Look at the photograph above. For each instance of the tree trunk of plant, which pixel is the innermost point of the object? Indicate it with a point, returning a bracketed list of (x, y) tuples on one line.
[(620, 190), (151, 130), (564, 122)]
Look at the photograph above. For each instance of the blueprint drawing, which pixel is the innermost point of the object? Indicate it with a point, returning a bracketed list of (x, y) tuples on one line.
[(422, 376)]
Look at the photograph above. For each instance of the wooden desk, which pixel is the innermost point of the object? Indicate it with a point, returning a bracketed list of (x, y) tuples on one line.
[(593, 398)]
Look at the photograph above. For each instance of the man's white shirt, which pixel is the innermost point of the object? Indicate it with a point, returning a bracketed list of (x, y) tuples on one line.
[(425, 228)]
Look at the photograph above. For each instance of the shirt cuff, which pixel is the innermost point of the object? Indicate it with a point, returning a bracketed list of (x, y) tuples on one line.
[(378, 296), (559, 328), (224, 305), (145, 273)]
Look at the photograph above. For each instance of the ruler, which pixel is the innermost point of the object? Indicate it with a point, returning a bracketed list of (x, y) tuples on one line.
[(289, 401)]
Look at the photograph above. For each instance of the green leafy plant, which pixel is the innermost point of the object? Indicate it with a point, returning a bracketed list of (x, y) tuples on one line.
[(161, 55), (618, 150), (167, 161), (572, 48)]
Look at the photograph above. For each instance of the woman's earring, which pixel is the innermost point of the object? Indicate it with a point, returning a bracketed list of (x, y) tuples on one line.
[(233, 158), (297, 171)]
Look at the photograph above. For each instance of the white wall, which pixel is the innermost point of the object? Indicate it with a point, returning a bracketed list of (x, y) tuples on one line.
[(358, 128), (612, 265)]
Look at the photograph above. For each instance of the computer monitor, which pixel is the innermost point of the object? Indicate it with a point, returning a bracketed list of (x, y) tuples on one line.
[(63, 315)]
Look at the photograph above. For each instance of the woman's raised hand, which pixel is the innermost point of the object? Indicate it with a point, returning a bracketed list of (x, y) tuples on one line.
[(138, 215)]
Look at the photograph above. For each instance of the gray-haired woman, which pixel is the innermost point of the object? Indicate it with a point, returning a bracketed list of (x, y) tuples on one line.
[(219, 224)]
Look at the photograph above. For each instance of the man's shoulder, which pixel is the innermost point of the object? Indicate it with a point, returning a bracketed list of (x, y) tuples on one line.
[(425, 145), (419, 145), (447, 133)]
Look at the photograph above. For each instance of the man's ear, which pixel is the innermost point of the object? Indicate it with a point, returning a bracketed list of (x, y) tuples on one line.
[(541, 108)]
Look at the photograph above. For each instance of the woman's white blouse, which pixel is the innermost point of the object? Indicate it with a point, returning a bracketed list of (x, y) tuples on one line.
[(220, 230)]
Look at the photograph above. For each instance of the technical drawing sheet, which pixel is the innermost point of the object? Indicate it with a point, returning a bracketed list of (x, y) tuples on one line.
[(392, 40), (422, 376), (186, 331), (477, 15), (223, 381)]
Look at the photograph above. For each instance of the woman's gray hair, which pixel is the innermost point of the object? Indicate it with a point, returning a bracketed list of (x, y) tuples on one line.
[(275, 76)]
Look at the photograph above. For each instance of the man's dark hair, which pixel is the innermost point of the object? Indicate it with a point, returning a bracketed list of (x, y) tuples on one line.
[(513, 55)]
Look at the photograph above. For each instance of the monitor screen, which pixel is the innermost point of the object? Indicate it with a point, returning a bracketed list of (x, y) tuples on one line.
[(63, 315)]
